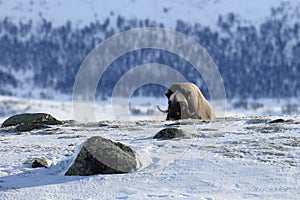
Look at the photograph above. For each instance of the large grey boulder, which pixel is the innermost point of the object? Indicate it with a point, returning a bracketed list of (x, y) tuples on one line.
[(30, 121), (103, 156)]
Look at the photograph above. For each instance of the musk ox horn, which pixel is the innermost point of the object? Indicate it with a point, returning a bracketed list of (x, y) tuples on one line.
[(163, 111)]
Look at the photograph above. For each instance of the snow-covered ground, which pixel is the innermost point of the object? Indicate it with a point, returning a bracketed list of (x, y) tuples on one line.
[(241, 157), (63, 109), (140, 107)]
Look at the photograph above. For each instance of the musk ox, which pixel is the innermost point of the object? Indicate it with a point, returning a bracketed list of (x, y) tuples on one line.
[(185, 100)]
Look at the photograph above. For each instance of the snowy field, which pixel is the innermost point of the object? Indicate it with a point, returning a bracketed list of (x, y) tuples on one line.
[(244, 156)]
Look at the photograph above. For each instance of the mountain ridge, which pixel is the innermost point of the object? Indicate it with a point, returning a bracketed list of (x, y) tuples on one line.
[(41, 59)]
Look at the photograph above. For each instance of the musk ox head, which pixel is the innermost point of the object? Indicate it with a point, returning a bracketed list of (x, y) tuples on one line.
[(185, 100), (177, 106)]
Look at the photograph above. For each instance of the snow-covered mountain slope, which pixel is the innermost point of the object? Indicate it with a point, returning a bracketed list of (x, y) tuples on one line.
[(43, 43), (83, 12)]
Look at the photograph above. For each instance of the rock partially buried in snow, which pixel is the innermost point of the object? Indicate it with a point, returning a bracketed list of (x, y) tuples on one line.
[(103, 156), (40, 162), (29, 127), (171, 133), (30, 121), (280, 121)]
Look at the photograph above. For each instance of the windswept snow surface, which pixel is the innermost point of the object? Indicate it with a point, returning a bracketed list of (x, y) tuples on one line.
[(234, 158)]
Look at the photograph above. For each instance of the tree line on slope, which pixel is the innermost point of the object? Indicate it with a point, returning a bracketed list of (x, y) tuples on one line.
[(254, 61)]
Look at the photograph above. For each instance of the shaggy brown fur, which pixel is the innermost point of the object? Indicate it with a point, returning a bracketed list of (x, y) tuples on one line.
[(197, 106)]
